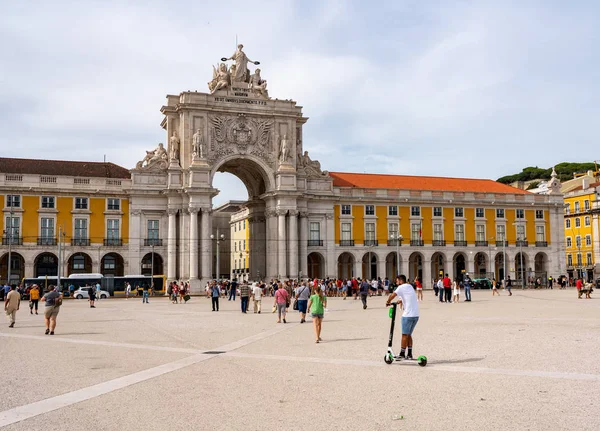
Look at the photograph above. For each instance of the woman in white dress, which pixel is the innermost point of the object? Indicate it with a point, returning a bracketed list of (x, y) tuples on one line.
[(456, 291)]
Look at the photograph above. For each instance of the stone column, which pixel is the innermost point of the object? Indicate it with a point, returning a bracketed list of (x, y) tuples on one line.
[(136, 240), (281, 244), (404, 269), (206, 243), (293, 243), (357, 268), (303, 246), (330, 246), (271, 243), (183, 243), (172, 245), (193, 243), (426, 281)]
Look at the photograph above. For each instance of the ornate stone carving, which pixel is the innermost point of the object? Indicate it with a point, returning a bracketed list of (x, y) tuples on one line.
[(135, 212), (174, 146), (303, 214), (198, 150), (172, 211), (311, 167), (206, 210), (231, 135), (155, 159), (293, 213), (281, 212), (193, 209), (284, 150), (239, 71), (258, 85), (221, 78), (329, 216), (270, 212)]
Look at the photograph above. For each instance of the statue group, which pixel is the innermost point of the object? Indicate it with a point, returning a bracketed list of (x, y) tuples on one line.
[(238, 74)]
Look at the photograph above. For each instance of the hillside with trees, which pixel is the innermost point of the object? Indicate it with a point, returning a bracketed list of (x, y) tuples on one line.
[(564, 171)]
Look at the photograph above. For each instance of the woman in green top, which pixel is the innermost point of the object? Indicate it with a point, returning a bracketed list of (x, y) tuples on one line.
[(317, 304)]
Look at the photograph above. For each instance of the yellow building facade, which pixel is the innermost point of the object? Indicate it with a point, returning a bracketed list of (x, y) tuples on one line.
[(240, 245)]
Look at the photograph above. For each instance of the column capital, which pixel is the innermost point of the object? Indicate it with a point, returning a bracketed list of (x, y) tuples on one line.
[(281, 212), (329, 216), (136, 212), (206, 209), (303, 214), (193, 209), (293, 213), (172, 211), (270, 212)]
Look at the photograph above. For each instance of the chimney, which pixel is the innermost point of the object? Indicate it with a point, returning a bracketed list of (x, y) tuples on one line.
[(585, 183)]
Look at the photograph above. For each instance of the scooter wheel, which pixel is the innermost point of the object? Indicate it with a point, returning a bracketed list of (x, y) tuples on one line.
[(388, 359)]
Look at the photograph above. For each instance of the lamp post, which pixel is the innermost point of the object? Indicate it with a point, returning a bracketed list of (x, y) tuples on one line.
[(152, 267), (490, 257), (218, 238), (10, 237), (522, 238), (397, 237)]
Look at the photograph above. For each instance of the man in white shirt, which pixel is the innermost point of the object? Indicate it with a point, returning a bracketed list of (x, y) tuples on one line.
[(410, 316), (257, 294), (127, 290)]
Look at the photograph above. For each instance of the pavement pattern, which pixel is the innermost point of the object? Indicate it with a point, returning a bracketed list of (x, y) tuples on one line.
[(526, 362)]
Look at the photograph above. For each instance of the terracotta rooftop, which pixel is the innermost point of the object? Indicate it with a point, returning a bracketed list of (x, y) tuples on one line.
[(62, 167), (592, 185), (407, 182)]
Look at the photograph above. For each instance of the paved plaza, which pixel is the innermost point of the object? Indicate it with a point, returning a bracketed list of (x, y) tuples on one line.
[(529, 361)]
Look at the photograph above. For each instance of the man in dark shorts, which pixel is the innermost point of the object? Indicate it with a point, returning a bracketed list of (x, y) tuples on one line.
[(92, 295)]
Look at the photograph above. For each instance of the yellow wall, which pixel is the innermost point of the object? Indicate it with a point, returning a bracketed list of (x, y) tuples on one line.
[(448, 214), (64, 218), (404, 213), (29, 224), (381, 229), (97, 226), (358, 227), (490, 224), (530, 228), (469, 214), (511, 230), (338, 228), (427, 226)]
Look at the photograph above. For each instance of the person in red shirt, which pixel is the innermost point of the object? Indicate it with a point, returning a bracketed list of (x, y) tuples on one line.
[(579, 285), (419, 288), (354, 287), (447, 283)]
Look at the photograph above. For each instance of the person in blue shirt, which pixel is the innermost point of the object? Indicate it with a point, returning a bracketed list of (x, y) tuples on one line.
[(467, 287), (215, 293)]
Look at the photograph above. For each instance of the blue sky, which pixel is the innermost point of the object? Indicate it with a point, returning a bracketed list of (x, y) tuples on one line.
[(473, 89)]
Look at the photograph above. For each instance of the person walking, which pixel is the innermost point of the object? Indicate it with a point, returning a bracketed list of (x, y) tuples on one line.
[(509, 285), (495, 287), (440, 284), (145, 294), (12, 302), (419, 289), (34, 298), (98, 291), (215, 293), (456, 291), (467, 286), (447, 283), (317, 304), (302, 296), (364, 291), (233, 289), (579, 286), (281, 303), (127, 290), (410, 316), (257, 294), (435, 287), (92, 296), (244, 296), (52, 302)]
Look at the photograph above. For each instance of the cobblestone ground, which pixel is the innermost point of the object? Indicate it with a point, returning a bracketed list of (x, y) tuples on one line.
[(529, 361)]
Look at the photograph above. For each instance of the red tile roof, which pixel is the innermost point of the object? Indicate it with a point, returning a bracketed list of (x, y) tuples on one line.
[(62, 167), (408, 182)]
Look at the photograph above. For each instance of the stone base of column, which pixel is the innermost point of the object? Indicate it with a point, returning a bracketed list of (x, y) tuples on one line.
[(197, 286)]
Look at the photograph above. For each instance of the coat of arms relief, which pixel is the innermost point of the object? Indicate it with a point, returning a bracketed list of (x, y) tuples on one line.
[(240, 135)]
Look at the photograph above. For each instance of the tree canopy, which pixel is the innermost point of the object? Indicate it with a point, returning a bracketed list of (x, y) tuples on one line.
[(564, 171)]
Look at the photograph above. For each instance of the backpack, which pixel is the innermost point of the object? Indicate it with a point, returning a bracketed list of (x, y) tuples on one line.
[(170, 290)]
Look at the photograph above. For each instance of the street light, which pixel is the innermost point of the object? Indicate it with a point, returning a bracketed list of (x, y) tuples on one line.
[(397, 237), (10, 240), (490, 257), (218, 238)]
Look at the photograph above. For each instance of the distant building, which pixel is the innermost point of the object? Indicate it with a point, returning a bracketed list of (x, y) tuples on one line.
[(240, 243)]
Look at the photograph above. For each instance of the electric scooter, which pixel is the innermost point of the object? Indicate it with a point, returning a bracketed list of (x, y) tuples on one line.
[(390, 356)]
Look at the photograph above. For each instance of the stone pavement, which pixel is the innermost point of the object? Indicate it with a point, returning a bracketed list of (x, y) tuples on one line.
[(529, 361)]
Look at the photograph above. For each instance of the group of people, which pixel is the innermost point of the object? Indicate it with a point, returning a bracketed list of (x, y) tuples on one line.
[(178, 292), (52, 300)]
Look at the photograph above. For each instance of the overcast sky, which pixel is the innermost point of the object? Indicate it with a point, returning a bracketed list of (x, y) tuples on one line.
[(448, 88)]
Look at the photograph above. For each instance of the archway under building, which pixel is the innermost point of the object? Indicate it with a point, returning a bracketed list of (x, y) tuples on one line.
[(499, 263), (480, 261), (392, 265), (112, 264), (369, 266), (79, 263), (45, 264), (415, 266), (316, 265), (521, 264), (146, 265), (459, 262), (345, 266), (17, 268), (438, 267)]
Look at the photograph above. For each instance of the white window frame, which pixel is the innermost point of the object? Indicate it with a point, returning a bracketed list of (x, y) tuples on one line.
[(459, 212), (317, 230), (393, 210), (480, 235), (438, 234), (77, 231), (110, 229), (346, 207), (537, 212), (108, 204), (49, 200), (569, 260), (47, 232), (519, 211), (482, 212), (540, 233), (589, 259), (349, 231), (150, 232), (577, 206), (371, 207), (415, 211), (81, 200), (498, 210), (370, 235), (586, 205), (441, 212), (568, 223), (578, 241), (520, 235), (10, 201), (459, 234), (588, 240), (569, 242), (577, 222), (586, 221), (501, 233)]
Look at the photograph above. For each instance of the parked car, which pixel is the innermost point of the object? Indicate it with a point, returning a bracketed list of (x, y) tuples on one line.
[(82, 292), (482, 283)]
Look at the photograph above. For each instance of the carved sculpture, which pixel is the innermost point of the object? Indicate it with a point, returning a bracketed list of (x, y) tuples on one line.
[(198, 145), (284, 151), (221, 78), (312, 167), (174, 146), (258, 85), (155, 159), (240, 72), (240, 134)]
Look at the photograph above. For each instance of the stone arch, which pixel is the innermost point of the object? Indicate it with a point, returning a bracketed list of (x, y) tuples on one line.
[(146, 265), (17, 269), (459, 263), (79, 263), (316, 265), (540, 265), (480, 263), (438, 263), (500, 261), (45, 264), (370, 271), (521, 268), (112, 264), (346, 262), (415, 265), (256, 175), (393, 263)]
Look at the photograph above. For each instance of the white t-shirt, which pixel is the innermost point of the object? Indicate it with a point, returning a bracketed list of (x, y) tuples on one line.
[(409, 300), (374, 284), (257, 292)]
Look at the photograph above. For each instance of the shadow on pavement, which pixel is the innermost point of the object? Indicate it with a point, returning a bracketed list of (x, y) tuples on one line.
[(457, 361)]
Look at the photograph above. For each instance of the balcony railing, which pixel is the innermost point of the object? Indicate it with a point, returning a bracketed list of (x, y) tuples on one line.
[(501, 243), (14, 240), (439, 243), (346, 243), (113, 242), (43, 240), (394, 242), (460, 243), (315, 243), (80, 242), (481, 243), (541, 243), (522, 243), (416, 242), (371, 242), (153, 242)]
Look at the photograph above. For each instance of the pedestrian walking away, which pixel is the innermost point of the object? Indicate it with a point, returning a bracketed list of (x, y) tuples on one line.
[(257, 295), (302, 296), (145, 294), (52, 301), (495, 287), (12, 302), (34, 298), (456, 291), (410, 316), (244, 296), (447, 283), (419, 289), (232, 289), (440, 285), (92, 296), (281, 299), (509, 285), (215, 293), (127, 290), (364, 292), (317, 304)]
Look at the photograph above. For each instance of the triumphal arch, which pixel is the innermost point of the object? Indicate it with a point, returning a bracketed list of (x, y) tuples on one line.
[(236, 127)]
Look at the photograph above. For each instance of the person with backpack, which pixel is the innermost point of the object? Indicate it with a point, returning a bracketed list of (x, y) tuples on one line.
[(53, 301), (302, 296), (364, 291)]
